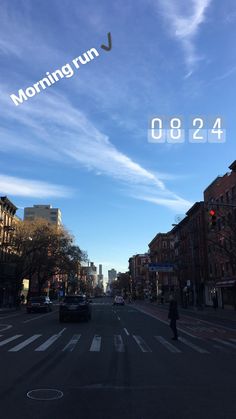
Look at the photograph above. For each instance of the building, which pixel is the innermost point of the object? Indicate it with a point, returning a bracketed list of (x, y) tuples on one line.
[(139, 275), (100, 276), (220, 196), (53, 215), (190, 255), (161, 251), (112, 275), (8, 284)]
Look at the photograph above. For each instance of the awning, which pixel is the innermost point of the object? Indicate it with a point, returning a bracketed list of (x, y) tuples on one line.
[(229, 283)]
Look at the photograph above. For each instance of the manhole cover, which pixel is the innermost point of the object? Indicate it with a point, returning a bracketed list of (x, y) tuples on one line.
[(45, 394)]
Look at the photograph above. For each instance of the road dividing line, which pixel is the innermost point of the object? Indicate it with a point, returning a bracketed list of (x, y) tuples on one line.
[(167, 344), (24, 343), (49, 342), (118, 317), (143, 346), (231, 345), (96, 344), (72, 343), (126, 331), (38, 317), (193, 346), (4, 342), (5, 327), (118, 342)]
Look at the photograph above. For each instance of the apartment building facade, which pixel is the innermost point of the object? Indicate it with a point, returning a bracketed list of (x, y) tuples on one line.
[(220, 196)]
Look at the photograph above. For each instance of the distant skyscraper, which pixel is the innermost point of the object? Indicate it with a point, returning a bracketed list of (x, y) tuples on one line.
[(112, 274), (100, 275), (53, 215)]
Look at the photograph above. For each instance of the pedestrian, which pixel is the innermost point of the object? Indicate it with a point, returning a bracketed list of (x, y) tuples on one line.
[(173, 315), (214, 301)]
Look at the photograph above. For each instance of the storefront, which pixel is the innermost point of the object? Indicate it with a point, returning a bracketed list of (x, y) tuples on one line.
[(228, 293)]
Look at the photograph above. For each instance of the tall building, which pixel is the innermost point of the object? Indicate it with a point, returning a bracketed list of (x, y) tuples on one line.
[(53, 215), (112, 275), (100, 276)]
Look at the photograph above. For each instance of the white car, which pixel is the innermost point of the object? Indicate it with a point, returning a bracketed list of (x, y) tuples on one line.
[(119, 301)]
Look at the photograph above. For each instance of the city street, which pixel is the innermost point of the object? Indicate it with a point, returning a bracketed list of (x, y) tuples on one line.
[(121, 364)]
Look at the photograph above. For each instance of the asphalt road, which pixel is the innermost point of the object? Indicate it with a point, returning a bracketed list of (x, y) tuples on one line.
[(121, 364)]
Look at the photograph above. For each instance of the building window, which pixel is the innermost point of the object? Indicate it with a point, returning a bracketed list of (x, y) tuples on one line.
[(232, 193), (227, 196)]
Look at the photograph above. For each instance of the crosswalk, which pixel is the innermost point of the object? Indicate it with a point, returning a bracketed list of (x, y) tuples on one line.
[(117, 342)]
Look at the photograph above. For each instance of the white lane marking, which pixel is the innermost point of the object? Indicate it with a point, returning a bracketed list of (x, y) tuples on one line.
[(96, 344), (72, 343), (193, 346), (166, 322), (167, 344), (9, 317), (231, 345), (143, 346), (118, 342), (38, 317), (126, 331), (24, 343), (118, 317), (5, 327), (49, 342), (4, 342)]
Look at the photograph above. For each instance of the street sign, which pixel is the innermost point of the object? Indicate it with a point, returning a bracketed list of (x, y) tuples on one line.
[(161, 267)]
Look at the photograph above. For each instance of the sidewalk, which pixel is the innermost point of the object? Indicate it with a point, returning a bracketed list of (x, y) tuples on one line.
[(207, 312)]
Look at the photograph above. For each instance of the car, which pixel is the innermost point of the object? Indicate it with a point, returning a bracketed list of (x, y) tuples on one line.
[(75, 307), (37, 304), (119, 300)]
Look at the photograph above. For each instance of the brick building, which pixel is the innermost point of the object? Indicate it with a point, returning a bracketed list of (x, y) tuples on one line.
[(220, 196), (162, 251), (190, 255), (7, 258)]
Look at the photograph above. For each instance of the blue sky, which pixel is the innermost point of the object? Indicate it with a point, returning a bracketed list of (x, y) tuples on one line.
[(82, 145)]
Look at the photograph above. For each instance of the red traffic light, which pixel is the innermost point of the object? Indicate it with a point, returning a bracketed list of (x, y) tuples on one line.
[(212, 212)]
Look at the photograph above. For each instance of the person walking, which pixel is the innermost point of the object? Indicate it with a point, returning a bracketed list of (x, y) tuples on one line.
[(173, 315)]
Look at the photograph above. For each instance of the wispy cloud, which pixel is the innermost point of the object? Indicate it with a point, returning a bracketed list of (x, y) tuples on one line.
[(10, 185), (63, 129), (185, 20)]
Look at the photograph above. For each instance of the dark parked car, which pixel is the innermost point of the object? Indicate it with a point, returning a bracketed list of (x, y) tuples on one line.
[(37, 304), (75, 307)]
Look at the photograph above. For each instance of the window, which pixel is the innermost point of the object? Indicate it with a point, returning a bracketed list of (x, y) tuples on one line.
[(233, 193), (227, 196)]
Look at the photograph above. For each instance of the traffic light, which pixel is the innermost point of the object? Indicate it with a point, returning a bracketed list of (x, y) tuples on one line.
[(212, 215)]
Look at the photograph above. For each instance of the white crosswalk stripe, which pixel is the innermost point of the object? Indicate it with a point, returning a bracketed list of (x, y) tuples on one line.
[(193, 346), (72, 343), (96, 344), (24, 343), (224, 342), (143, 346), (4, 342), (167, 344), (118, 342), (49, 342)]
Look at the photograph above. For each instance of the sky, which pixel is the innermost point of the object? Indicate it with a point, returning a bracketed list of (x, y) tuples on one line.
[(82, 144)]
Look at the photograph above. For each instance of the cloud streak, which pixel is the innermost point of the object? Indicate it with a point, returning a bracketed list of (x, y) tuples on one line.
[(184, 27), (58, 130), (10, 185)]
